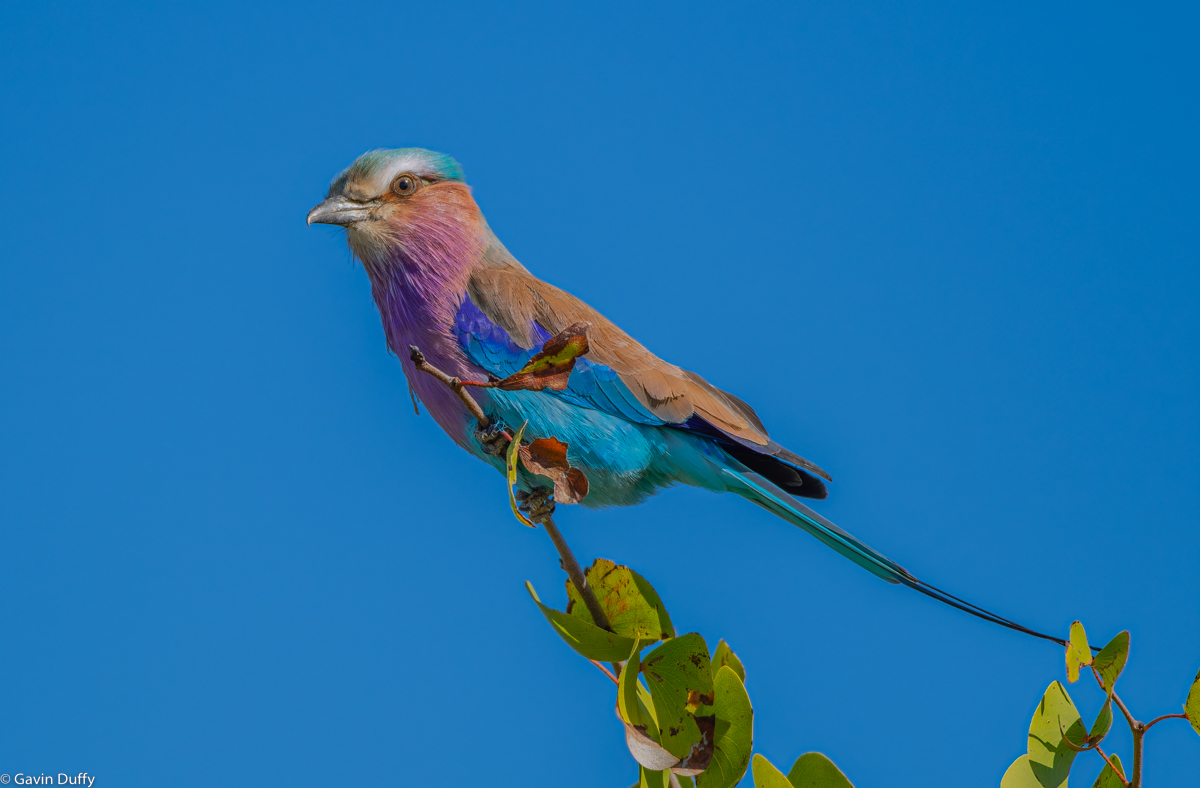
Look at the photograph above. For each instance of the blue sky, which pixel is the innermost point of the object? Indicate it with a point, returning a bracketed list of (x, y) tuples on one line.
[(948, 251)]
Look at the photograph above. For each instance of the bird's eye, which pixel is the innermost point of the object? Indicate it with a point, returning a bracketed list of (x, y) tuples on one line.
[(405, 184)]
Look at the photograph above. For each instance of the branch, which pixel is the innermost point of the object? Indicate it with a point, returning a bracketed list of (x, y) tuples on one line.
[(569, 564), (575, 572), (455, 385)]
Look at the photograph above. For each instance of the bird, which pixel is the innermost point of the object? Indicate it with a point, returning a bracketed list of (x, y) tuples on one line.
[(633, 423)]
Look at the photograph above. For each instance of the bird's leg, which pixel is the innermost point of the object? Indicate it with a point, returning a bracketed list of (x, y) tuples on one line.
[(538, 503), (493, 439)]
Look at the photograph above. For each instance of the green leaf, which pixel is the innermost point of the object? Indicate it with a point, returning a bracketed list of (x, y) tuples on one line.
[(588, 639), (1111, 660), (1020, 775), (767, 776), (635, 706), (629, 695), (1078, 652), (653, 779), (814, 770), (734, 734), (685, 781), (679, 676), (514, 448), (1192, 707), (1050, 757), (1102, 724), (725, 656), (633, 607), (1108, 778)]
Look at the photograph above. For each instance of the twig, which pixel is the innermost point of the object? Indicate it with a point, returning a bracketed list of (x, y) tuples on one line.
[(418, 360), (1165, 717), (605, 671), (575, 572), (567, 558), (1120, 774)]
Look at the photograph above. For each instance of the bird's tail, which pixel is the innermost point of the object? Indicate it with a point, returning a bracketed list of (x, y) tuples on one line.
[(762, 492)]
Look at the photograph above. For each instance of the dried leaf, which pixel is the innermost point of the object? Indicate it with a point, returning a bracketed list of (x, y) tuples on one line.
[(734, 732), (814, 770), (548, 457), (631, 604), (646, 751), (551, 367), (1078, 652), (696, 761), (1111, 660)]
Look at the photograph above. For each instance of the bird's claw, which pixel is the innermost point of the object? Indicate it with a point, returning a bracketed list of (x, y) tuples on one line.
[(538, 503), (493, 440)]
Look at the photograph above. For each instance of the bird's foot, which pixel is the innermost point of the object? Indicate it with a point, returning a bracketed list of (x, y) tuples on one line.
[(538, 503), (493, 440)]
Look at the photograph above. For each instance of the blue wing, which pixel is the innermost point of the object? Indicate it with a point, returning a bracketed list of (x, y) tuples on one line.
[(600, 388), (591, 385)]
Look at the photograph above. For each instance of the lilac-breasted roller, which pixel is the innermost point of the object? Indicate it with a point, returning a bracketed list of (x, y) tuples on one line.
[(633, 422)]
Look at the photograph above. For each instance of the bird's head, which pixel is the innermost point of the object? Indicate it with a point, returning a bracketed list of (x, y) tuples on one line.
[(388, 196)]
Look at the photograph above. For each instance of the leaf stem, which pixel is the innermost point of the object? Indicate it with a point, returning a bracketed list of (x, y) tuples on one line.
[(1120, 774), (1165, 717), (605, 671)]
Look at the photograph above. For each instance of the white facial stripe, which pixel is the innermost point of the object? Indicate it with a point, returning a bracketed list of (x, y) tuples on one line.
[(381, 179)]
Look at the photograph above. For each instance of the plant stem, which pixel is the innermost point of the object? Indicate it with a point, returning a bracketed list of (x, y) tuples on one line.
[(1165, 717), (1120, 774), (568, 562), (1139, 733), (575, 572), (1128, 717)]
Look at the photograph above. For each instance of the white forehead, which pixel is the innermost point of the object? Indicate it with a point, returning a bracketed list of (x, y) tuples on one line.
[(373, 172), (371, 184)]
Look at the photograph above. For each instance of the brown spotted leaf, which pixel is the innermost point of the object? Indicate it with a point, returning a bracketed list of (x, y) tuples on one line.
[(734, 734), (631, 604), (551, 367), (679, 677), (588, 639), (548, 457)]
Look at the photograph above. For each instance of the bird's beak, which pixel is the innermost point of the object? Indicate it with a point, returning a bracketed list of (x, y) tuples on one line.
[(339, 210)]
